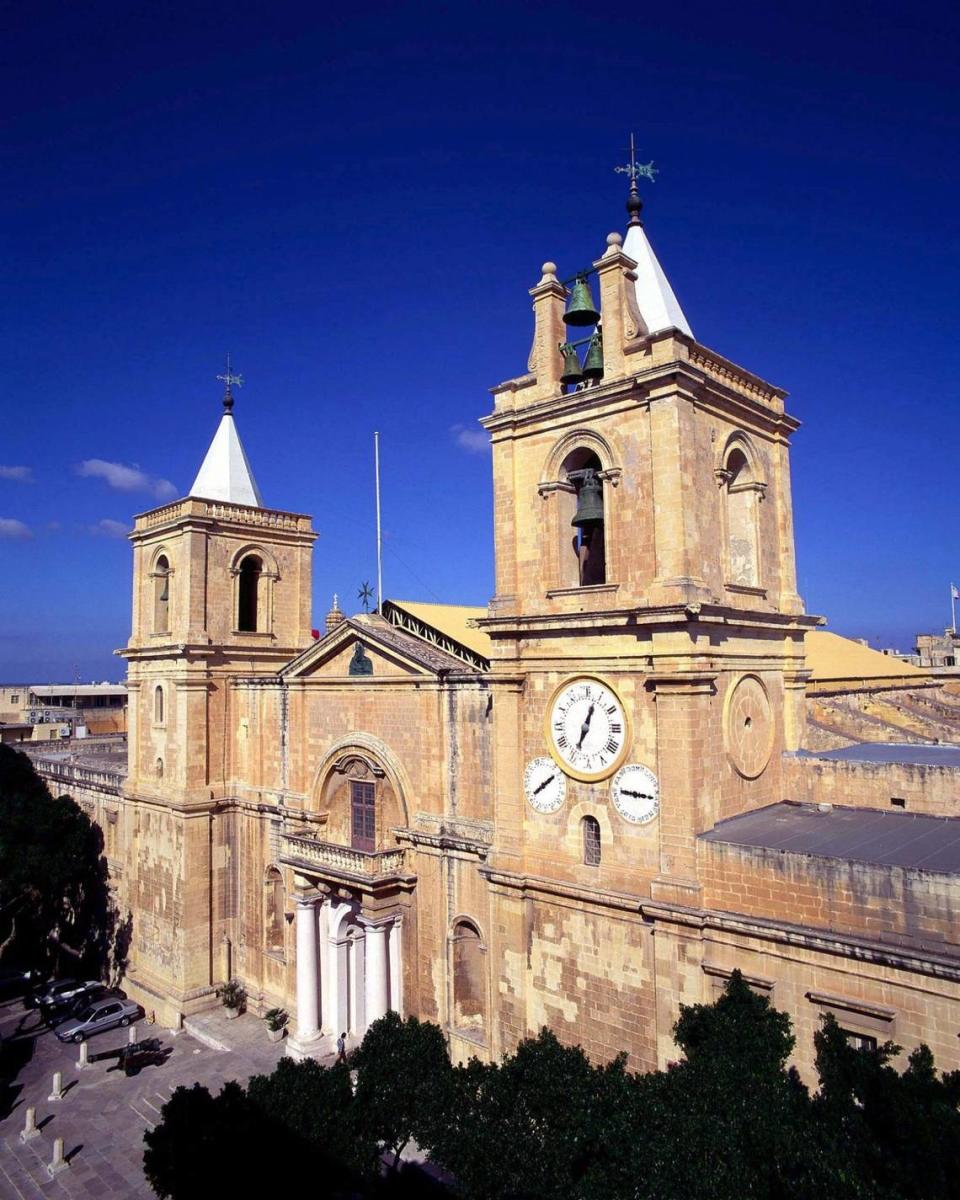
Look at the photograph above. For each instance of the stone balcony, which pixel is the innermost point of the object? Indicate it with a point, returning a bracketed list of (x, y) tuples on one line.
[(371, 869)]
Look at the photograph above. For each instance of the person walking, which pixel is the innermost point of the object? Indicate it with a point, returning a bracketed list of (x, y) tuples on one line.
[(342, 1048)]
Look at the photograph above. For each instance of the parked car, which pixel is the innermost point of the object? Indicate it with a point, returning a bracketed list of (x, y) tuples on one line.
[(58, 997), (96, 1017), (63, 1010), (57, 990), (15, 981)]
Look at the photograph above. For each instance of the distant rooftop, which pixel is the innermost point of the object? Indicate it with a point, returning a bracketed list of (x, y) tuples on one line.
[(913, 841), (893, 752), (78, 689)]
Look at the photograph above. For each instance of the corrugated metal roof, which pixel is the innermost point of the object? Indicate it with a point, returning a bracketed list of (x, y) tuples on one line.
[(831, 656), (914, 841), (452, 620), (893, 752)]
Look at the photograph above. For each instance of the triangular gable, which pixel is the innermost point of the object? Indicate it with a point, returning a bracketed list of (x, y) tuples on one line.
[(390, 653)]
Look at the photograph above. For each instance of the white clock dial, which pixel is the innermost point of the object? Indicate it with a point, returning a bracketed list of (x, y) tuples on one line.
[(587, 729), (544, 785), (636, 793)]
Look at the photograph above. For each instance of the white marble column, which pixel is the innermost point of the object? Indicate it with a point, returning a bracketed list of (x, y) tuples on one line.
[(308, 970), (376, 979), (396, 966)]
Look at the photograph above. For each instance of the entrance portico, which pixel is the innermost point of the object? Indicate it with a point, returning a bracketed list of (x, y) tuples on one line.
[(349, 944)]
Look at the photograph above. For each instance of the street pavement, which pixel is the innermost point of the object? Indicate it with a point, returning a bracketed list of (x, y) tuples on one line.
[(103, 1114)]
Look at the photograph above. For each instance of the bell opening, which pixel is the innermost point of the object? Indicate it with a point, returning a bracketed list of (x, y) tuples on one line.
[(581, 469)]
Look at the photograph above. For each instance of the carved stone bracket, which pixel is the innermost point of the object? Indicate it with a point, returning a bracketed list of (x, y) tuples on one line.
[(355, 766), (611, 475), (558, 485)]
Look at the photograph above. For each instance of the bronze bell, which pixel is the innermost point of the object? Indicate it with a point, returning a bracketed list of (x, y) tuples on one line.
[(572, 371), (580, 310), (589, 500), (165, 588), (593, 363)]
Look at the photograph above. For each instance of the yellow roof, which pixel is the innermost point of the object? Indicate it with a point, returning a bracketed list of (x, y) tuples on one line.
[(831, 656), (451, 620)]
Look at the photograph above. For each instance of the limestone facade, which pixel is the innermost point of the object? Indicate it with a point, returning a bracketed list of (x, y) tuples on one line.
[(343, 823)]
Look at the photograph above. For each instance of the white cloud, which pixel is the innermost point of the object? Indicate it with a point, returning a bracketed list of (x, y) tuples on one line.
[(474, 441), (126, 478), (9, 528), (110, 528), (17, 474)]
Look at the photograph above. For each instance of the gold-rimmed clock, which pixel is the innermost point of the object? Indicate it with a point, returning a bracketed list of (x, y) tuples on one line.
[(586, 728)]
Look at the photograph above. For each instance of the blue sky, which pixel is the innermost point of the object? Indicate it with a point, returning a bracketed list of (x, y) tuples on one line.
[(354, 202)]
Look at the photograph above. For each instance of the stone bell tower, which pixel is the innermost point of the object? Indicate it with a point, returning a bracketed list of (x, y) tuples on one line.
[(644, 542), (221, 587)]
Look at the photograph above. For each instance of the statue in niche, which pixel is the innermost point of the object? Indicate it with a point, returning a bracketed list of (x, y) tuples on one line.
[(360, 664)]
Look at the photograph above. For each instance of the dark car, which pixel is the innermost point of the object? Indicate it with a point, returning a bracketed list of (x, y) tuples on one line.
[(63, 1010), (15, 981), (59, 997)]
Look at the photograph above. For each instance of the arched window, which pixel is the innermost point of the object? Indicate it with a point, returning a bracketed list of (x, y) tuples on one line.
[(273, 914), (161, 595), (590, 829), (159, 768), (248, 609), (469, 978), (158, 705), (583, 548), (742, 492)]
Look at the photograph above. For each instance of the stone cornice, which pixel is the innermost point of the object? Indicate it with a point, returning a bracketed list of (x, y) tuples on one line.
[(627, 619)]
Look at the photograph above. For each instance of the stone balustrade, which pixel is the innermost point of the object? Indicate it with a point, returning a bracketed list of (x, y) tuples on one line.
[(361, 864)]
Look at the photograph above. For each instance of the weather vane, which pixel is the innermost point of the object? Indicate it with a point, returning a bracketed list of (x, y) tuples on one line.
[(637, 170), (229, 382), (366, 595)]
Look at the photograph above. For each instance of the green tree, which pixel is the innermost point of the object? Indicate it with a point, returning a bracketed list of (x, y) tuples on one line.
[(899, 1132), (55, 903), (730, 1120), (544, 1123), (403, 1083)]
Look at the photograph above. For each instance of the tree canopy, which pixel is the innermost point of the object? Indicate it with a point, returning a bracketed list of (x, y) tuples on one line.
[(55, 902), (729, 1120)]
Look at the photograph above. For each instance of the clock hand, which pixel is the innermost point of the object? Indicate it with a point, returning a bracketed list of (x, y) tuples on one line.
[(585, 727), (636, 795), (549, 779)]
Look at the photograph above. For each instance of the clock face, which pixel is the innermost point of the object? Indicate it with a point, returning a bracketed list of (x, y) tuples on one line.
[(587, 728), (544, 785), (636, 793)]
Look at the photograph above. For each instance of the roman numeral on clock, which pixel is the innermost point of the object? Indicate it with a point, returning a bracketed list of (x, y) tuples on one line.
[(611, 745)]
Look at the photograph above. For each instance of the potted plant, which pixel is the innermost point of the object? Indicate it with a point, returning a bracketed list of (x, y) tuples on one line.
[(233, 996), (276, 1020)]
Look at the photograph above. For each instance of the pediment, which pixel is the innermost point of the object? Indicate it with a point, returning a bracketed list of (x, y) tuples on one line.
[(361, 651)]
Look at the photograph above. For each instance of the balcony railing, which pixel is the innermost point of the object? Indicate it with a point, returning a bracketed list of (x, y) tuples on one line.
[(342, 860)]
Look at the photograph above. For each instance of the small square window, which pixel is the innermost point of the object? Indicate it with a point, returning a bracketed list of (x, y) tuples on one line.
[(859, 1041)]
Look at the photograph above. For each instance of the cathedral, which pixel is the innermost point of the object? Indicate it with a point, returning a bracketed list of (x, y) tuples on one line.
[(576, 807)]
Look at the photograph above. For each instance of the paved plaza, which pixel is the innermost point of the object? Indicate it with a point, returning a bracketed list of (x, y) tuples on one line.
[(103, 1114)]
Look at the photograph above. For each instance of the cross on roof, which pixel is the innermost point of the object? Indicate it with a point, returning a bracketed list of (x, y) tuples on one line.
[(229, 381), (637, 170)]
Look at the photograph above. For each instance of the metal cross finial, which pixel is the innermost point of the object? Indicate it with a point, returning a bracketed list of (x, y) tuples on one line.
[(366, 595), (637, 170), (229, 382)]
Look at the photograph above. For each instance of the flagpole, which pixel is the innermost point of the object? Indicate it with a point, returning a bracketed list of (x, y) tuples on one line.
[(953, 609), (376, 465)]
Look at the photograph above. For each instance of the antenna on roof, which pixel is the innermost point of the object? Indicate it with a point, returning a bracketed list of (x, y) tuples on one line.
[(376, 469)]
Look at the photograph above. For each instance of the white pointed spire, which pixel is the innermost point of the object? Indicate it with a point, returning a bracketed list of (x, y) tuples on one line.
[(658, 305), (225, 472)]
